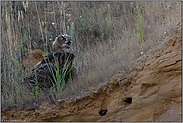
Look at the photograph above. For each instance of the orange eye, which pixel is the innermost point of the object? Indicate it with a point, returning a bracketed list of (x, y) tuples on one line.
[(63, 39)]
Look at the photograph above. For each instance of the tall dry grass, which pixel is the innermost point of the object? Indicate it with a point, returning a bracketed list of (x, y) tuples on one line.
[(105, 39)]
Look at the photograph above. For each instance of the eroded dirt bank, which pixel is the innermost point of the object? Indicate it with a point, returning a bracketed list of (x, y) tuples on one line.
[(150, 92)]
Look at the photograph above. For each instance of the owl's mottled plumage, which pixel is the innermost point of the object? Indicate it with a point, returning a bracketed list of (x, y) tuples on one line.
[(61, 46)]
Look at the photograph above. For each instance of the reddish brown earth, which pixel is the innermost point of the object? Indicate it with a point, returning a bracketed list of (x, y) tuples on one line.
[(151, 92), (32, 57)]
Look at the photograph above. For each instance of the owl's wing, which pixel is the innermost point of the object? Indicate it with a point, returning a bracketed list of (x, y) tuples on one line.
[(48, 59)]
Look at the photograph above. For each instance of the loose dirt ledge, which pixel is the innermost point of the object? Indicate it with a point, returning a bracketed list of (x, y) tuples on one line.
[(150, 92)]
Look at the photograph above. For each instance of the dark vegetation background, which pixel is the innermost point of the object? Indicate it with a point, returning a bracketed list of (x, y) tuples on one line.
[(105, 39)]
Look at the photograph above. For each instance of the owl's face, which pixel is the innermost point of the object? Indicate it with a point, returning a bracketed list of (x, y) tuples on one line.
[(62, 42)]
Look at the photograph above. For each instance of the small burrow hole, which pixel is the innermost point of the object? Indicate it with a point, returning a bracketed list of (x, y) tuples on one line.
[(128, 100), (102, 112)]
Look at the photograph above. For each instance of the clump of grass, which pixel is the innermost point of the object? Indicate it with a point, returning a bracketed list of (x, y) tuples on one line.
[(72, 31), (180, 4), (72, 34), (18, 82), (3, 12), (139, 20), (61, 74), (109, 18), (175, 29), (36, 88)]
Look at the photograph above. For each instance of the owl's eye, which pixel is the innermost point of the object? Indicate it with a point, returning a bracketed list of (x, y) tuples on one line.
[(63, 39)]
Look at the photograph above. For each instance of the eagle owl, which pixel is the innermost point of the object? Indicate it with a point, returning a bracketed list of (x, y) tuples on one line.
[(50, 64), (61, 47)]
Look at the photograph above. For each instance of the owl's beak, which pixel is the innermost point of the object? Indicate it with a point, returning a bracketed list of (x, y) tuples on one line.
[(69, 42)]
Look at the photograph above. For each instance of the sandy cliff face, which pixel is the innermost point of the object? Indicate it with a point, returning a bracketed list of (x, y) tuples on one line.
[(150, 92)]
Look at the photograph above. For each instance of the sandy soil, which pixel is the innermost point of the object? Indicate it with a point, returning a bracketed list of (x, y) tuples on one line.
[(150, 92)]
